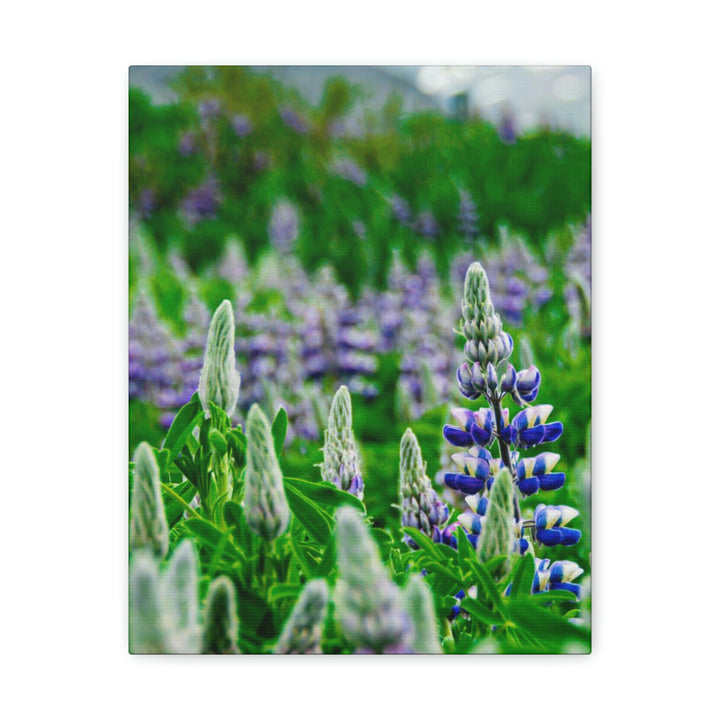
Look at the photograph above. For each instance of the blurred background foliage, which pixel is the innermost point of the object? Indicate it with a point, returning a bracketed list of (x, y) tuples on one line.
[(370, 192)]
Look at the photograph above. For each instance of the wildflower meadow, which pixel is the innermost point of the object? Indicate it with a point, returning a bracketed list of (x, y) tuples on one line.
[(359, 375)]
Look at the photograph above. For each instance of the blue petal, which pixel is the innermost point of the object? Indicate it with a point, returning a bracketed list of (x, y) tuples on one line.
[(549, 537), (552, 481), (572, 587), (473, 538), (553, 431), (569, 536), (464, 483), (532, 436), (529, 486), (480, 435), (457, 437)]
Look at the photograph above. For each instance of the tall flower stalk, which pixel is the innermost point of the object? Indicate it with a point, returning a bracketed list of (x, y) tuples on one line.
[(488, 374), (341, 464)]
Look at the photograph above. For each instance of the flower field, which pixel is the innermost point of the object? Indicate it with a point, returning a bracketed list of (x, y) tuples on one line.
[(359, 376)]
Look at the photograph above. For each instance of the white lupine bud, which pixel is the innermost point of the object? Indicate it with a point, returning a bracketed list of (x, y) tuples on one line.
[(148, 525), (419, 499), (147, 635), (266, 508), (419, 602), (179, 584), (302, 634), (219, 378), (341, 464), (163, 605), (220, 626), (368, 605), (498, 532), (481, 326)]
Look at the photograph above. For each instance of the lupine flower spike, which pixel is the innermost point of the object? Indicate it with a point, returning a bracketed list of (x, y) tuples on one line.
[(369, 607), (164, 606), (148, 525), (495, 485), (498, 535), (420, 606), (220, 627), (341, 465), (421, 507), (266, 508), (219, 378), (302, 634)]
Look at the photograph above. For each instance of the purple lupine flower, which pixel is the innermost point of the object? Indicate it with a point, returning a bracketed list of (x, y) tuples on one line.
[(154, 358), (209, 109), (422, 508), (426, 225), (467, 216), (349, 170), (283, 227), (202, 202), (294, 120), (187, 145), (507, 129), (401, 210), (147, 202), (242, 125)]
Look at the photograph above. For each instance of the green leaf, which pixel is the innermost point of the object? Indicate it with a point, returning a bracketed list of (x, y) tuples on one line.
[(238, 445), (324, 493), (553, 596), (176, 498), (551, 630), (284, 591), (484, 578), (279, 430), (466, 551), (475, 609), (182, 426), (309, 514), (422, 541), (384, 541), (523, 578), (210, 536)]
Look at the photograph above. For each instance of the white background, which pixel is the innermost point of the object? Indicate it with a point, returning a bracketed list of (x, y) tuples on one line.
[(64, 372)]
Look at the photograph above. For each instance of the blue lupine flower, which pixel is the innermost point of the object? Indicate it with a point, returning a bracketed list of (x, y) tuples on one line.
[(556, 576), (535, 474), (550, 521), (528, 427)]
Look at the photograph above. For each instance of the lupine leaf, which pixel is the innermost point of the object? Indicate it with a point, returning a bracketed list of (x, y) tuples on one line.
[(553, 596), (182, 426), (279, 430), (174, 508), (548, 629), (284, 591), (309, 514), (324, 493), (479, 612), (210, 536), (523, 577), (422, 541)]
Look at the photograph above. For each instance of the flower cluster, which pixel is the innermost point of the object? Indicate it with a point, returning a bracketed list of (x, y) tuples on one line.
[(494, 522), (341, 464), (421, 507)]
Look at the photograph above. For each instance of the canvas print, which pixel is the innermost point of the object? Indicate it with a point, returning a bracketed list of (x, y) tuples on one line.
[(359, 360)]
